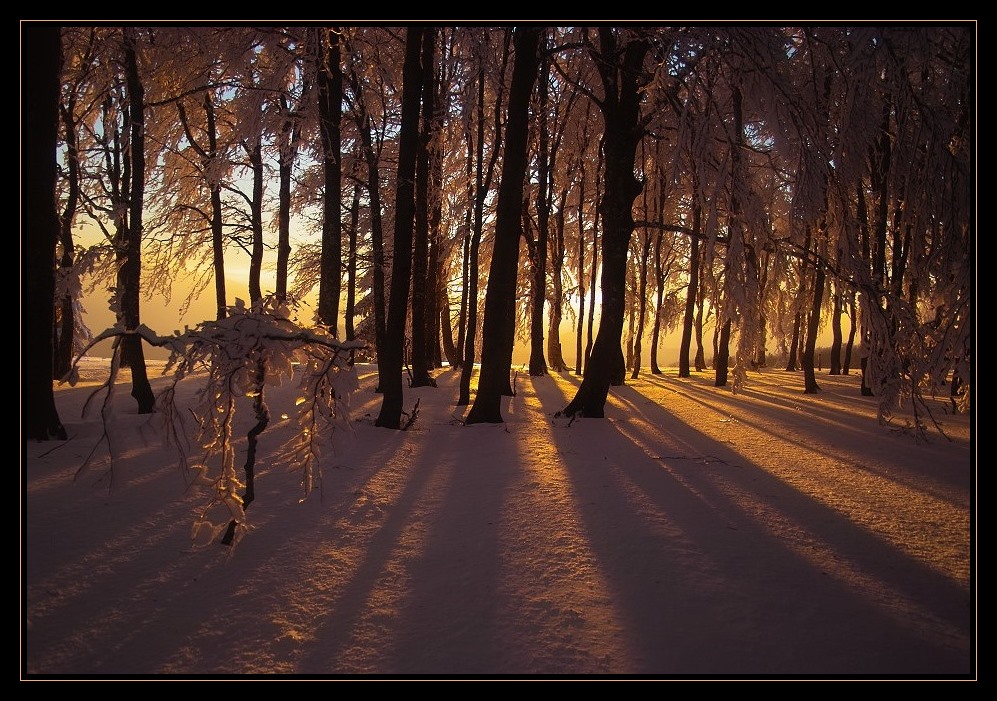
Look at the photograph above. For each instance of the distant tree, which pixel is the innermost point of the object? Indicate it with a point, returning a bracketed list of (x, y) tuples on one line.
[(41, 60)]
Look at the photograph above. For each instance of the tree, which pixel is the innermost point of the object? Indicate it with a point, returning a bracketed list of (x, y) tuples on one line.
[(330, 101), (482, 180), (129, 243), (421, 295), (620, 68), (390, 357), (499, 325), (41, 60)]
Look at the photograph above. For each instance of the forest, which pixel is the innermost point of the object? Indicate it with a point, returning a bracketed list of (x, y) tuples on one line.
[(443, 191)]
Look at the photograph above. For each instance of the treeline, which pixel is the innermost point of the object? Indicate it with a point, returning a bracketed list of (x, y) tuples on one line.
[(457, 186)]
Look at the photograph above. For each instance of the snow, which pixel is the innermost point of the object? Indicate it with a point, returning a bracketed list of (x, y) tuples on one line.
[(691, 534)]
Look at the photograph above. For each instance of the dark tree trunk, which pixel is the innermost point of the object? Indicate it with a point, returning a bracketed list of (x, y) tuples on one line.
[(256, 218), (41, 62), (129, 275), (795, 347), (330, 106), (538, 257), (364, 126), (377, 241), (813, 324), (688, 320), (66, 322), (699, 363), (721, 361), (554, 354), (446, 330), (217, 240), (579, 359), (351, 263), (465, 251), (421, 360), (850, 344), (498, 332), (835, 363), (208, 154), (621, 115), (642, 305), (792, 364), (482, 179), (659, 301), (285, 162), (391, 356), (593, 272)]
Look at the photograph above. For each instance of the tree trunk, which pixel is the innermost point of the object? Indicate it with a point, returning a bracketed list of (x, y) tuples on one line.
[(285, 162), (446, 330), (420, 253), (642, 304), (351, 261), (835, 363), (659, 301), (554, 355), (66, 322), (700, 361), (498, 331), (217, 239), (538, 257), (810, 381), (129, 276), (391, 356), (721, 360), (690, 299), (208, 154), (330, 103), (256, 217), (621, 115), (579, 359), (482, 179), (850, 344), (41, 60)]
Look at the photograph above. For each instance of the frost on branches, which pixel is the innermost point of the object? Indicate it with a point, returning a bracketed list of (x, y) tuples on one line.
[(235, 359)]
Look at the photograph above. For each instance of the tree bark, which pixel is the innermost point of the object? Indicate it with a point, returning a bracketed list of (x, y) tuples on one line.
[(642, 305), (721, 360), (482, 179), (41, 61), (835, 363), (621, 115), (538, 257), (420, 253), (390, 362), (129, 276), (330, 103), (256, 222), (498, 331), (690, 298), (65, 328), (813, 324)]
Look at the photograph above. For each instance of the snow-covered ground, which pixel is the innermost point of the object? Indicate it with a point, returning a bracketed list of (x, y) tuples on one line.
[(693, 533)]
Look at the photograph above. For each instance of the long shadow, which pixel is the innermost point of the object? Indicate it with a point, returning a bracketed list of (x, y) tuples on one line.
[(448, 618), (722, 569), (783, 421)]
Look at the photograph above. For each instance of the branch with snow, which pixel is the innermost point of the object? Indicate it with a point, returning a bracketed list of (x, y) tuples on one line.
[(235, 358)]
